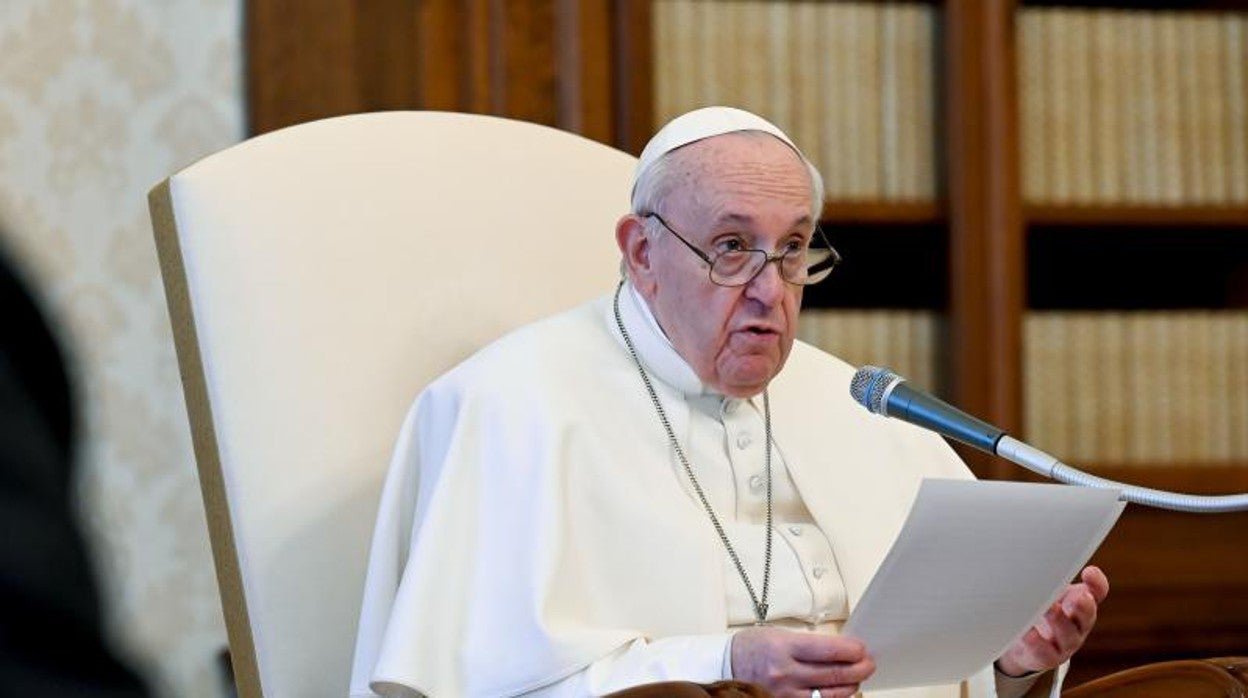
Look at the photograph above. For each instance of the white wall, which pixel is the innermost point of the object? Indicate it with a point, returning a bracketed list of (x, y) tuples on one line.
[(99, 101)]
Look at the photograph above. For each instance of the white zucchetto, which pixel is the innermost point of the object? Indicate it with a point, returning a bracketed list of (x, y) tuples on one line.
[(699, 124)]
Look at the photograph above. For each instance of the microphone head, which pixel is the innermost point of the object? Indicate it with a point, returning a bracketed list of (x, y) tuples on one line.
[(870, 387)]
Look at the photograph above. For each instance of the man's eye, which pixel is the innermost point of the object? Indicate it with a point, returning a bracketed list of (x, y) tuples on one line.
[(794, 246), (729, 245)]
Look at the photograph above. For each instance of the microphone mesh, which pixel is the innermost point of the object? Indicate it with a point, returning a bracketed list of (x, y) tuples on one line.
[(870, 384)]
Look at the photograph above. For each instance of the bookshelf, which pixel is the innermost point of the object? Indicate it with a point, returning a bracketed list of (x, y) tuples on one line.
[(1180, 581), (1232, 218)]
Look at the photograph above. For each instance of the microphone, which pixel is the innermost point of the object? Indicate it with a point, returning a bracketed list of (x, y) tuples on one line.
[(885, 393)]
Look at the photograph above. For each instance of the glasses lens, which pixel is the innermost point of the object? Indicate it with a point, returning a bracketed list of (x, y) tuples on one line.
[(793, 265), (819, 263), (736, 268), (821, 259)]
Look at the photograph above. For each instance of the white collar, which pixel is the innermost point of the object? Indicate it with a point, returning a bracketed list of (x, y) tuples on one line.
[(654, 349)]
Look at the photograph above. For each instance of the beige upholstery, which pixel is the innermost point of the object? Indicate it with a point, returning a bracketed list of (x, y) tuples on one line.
[(317, 278)]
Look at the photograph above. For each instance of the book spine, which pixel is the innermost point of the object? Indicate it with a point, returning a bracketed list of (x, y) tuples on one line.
[(1104, 95), (1212, 107), (770, 69), (1031, 90), (1170, 122), (1221, 387), (1162, 373), (1082, 187), (889, 18), (1033, 387), (1150, 109), (868, 84), (926, 100), (804, 91), (837, 99), (1194, 186), (1234, 29), (1111, 376), (907, 129), (1138, 386), (1061, 164)]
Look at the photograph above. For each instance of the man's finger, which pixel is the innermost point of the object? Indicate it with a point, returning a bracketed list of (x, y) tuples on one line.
[(1081, 609), (1097, 582), (1067, 637), (1043, 651), (841, 674), (833, 691), (1043, 628), (825, 649)]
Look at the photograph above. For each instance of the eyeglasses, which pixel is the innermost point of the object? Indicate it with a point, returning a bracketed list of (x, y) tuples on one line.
[(801, 265)]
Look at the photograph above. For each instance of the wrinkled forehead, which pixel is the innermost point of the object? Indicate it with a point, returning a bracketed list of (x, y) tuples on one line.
[(740, 170)]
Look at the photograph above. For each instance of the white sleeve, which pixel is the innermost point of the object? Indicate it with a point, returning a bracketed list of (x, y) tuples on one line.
[(698, 658)]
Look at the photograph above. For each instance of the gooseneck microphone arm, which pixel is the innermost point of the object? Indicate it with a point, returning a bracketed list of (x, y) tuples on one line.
[(885, 393)]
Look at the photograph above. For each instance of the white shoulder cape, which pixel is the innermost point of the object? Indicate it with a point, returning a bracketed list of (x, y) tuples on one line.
[(532, 520)]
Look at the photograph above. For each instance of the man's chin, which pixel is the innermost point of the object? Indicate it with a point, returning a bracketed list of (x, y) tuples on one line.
[(747, 383)]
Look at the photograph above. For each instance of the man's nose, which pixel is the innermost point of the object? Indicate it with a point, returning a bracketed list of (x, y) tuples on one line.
[(767, 287)]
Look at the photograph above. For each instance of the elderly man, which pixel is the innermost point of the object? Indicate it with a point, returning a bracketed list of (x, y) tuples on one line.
[(662, 484)]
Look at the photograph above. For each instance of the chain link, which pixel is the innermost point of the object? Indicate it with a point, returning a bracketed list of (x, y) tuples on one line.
[(760, 605)]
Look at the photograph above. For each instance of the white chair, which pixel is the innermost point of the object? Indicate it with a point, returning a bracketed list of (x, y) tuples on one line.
[(317, 278)]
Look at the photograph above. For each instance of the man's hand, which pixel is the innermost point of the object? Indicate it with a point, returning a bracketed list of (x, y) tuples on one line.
[(791, 664), (1062, 629)]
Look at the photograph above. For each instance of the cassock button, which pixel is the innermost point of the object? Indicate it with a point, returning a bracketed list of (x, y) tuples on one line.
[(795, 530), (818, 572), (756, 482), (730, 405), (744, 441)]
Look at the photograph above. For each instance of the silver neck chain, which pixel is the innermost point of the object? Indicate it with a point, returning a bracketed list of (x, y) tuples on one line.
[(760, 604)]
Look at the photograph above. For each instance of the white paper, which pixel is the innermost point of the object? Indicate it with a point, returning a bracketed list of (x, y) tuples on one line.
[(975, 565)]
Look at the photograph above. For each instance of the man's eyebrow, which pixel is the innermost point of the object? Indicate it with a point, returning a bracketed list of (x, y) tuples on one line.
[(744, 219)]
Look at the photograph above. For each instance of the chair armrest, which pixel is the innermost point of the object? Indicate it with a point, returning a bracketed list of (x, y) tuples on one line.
[(1222, 677)]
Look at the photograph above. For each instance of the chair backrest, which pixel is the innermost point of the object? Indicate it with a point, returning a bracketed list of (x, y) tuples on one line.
[(317, 278)]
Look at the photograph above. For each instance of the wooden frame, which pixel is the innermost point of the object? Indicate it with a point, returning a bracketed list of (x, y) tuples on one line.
[(579, 65), (1208, 678)]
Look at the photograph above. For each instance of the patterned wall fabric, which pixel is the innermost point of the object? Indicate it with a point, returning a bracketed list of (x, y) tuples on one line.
[(99, 101)]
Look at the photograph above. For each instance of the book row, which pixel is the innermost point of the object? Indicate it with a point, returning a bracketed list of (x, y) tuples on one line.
[(852, 83), (1116, 106), (1129, 106), (1125, 388)]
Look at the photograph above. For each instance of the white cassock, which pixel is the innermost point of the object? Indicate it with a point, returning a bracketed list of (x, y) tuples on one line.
[(537, 534)]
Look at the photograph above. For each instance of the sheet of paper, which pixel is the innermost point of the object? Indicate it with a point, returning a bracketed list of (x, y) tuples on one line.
[(975, 564)]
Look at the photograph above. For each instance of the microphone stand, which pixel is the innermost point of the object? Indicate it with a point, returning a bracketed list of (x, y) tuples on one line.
[(1040, 462), (882, 392)]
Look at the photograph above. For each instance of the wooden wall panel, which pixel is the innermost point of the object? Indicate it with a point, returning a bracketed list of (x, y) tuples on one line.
[(634, 92), (554, 62), (299, 62), (525, 82), (383, 52), (585, 64), (987, 270), (1178, 590)]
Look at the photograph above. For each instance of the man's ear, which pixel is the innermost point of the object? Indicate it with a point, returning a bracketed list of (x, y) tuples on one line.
[(635, 246)]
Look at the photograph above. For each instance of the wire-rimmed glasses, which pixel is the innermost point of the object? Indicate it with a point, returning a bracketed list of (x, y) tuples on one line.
[(802, 266)]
